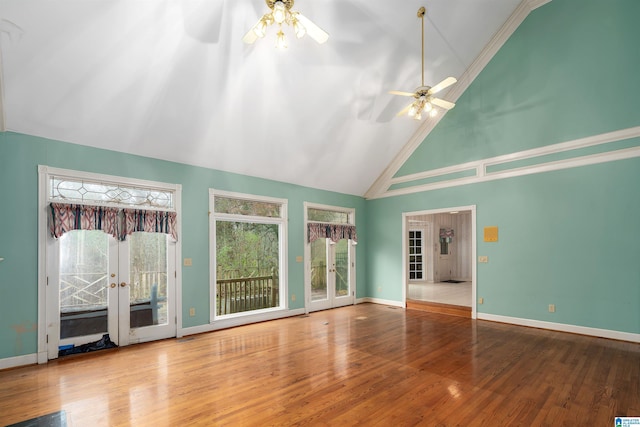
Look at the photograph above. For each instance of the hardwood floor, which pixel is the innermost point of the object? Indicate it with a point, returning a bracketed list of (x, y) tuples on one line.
[(367, 365)]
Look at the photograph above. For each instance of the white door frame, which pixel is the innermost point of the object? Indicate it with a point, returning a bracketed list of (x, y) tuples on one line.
[(47, 260), (474, 281), (330, 302)]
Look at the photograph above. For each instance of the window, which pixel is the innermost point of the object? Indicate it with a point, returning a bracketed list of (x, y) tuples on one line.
[(415, 255), (94, 191), (248, 242)]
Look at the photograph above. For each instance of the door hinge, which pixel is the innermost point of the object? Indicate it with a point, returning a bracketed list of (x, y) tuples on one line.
[(175, 274), (47, 338), (47, 280)]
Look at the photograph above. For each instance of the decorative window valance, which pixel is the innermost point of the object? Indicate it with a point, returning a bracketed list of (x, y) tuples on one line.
[(335, 232), (117, 222), (64, 217), (150, 221), (446, 235)]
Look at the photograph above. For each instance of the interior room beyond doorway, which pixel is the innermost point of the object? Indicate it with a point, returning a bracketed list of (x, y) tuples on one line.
[(439, 256)]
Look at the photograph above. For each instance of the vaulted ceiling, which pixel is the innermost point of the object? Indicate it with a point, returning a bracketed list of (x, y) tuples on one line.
[(172, 79)]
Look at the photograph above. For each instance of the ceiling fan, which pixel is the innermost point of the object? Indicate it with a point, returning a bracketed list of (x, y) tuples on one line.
[(281, 13), (424, 99)]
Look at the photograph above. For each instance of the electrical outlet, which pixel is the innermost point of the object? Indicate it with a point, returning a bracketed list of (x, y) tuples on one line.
[(552, 308), (293, 297), (480, 300), (192, 311), (188, 262)]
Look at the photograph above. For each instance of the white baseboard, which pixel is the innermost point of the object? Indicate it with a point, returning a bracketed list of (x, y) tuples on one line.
[(574, 329), (381, 301), (13, 362), (239, 321)]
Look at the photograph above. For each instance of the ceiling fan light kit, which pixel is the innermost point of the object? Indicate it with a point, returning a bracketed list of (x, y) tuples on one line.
[(424, 101), (281, 13)]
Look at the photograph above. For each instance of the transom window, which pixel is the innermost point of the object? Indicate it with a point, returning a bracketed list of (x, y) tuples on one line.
[(326, 215), (88, 191)]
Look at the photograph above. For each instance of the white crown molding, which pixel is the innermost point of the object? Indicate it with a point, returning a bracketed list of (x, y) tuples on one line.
[(562, 327), (489, 51), (480, 166)]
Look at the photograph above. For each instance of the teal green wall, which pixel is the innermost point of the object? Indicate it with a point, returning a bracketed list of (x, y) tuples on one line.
[(569, 71), (569, 237), (20, 156)]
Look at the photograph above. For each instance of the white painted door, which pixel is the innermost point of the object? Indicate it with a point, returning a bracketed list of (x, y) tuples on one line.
[(101, 286), (331, 272)]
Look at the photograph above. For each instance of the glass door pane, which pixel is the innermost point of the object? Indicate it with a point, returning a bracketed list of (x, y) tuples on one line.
[(342, 268), (84, 283), (319, 288), (147, 279)]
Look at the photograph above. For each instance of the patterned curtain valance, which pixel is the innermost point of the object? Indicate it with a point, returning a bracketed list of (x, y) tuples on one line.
[(150, 221), (446, 234), (117, 222), (335, 232), (64, 217)]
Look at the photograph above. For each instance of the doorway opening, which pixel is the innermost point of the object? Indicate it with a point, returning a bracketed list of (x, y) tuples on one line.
[(439, 272)]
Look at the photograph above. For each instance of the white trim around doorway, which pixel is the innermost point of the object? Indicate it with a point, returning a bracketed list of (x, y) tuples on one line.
[(474, 281)]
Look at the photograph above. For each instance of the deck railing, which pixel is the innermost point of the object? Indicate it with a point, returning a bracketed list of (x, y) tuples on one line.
[(246, 294)]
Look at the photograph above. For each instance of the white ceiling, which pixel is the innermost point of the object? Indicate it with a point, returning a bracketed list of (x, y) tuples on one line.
[(171, 79)]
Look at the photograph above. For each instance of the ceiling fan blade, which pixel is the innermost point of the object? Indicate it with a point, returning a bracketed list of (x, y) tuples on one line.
[(315, 32), (397, 92), (404, 110), (442, 85), (251, 36), (442, 103)]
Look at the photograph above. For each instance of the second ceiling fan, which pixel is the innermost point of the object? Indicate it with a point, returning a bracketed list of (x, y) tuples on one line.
[(424, 99)]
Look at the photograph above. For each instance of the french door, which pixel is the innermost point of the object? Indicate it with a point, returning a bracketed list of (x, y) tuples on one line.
[(102, 286), (332, 269)]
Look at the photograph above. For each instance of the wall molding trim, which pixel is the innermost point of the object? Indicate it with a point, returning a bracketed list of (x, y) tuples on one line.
[(14, 362), (562, 327), (482, 174), (381, 301), (239, 321), (497, 41)]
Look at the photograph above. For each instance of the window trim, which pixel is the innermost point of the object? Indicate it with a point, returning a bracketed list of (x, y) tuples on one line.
[(254, 315)]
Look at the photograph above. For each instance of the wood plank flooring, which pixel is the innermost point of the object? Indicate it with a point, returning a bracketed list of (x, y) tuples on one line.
[(435, 307), (368, 365)]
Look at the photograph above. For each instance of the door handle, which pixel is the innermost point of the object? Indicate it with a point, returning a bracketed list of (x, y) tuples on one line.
[(123, 284), (113, 285)]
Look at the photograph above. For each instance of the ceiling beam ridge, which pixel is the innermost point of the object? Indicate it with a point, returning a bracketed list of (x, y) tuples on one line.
[(382, 183)]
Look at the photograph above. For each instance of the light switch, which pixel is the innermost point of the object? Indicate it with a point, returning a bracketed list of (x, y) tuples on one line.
[(483, 259), (188, 262)]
